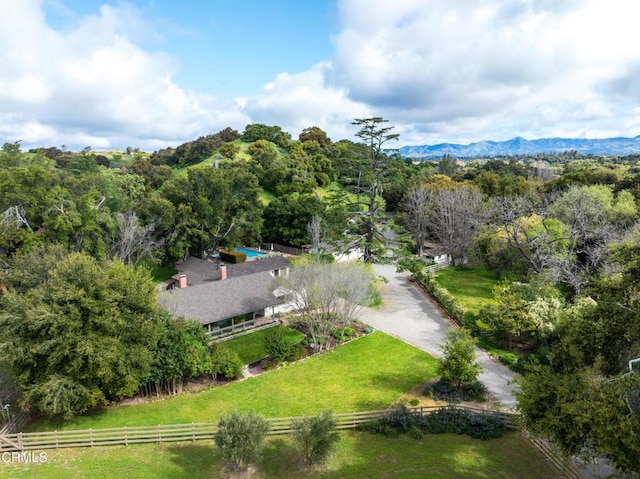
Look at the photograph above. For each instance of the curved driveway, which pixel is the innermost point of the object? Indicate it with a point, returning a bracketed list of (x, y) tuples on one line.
[(409, 315)]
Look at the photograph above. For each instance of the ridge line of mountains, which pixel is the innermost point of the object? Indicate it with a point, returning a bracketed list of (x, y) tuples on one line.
[(522, 146)]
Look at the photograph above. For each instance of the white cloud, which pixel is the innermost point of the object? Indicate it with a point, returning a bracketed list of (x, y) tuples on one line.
[(468, 70), (298, 101), (92, 85), (447, 70), (440, 70)]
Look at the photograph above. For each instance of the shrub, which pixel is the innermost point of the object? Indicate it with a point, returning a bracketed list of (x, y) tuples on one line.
[(457, 364), (476, 391), (399, 421), (343, 335), (444, 391), (428, 281), (240, 438), (460, 421), (233, 256), (276, 345), (443, 420), (226, 362), (375, 298), (315, 435), (298, 351)]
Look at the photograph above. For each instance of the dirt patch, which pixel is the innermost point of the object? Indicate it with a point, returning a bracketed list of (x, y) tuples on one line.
[(415, 394)]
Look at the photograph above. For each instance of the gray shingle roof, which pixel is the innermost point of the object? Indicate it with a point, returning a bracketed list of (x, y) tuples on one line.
[(199, 270), (211, 301)]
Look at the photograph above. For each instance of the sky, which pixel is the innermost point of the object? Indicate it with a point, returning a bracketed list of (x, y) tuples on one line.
[(156, 73)]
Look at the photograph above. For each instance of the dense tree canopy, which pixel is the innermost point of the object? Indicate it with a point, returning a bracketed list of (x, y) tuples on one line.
[(79, 335), (212, 207), (286, 219)]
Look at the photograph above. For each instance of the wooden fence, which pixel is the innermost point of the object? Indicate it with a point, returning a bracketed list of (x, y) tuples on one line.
[(15, 424), (187, 432), (281, 248)]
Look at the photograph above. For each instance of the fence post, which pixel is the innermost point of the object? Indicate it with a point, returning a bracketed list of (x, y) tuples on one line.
[(56, 436), (126, 437), (91, 436), (158, 435), (193, 432)]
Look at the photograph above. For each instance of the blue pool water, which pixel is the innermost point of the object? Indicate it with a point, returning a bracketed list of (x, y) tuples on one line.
[(251, 253)]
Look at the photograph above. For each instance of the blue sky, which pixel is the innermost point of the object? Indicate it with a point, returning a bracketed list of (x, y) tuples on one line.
[(156, 73), (224, 47)]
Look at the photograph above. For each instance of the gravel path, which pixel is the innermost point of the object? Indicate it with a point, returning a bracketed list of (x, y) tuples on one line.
[(408, 314)]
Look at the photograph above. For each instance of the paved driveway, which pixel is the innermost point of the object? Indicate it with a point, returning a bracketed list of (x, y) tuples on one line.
[(409, 315)]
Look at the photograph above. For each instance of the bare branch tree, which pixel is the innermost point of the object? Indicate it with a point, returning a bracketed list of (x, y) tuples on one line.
[(328, 296), (508, 214), (133, 241), (14, 216), (416, 214), (314, 227), (567, 236), (455, 217)]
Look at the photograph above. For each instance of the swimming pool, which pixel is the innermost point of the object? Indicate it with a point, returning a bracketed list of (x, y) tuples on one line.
[(251, 253)]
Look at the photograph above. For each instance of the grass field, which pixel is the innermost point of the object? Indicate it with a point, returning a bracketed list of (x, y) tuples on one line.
[(161, 272), (472, 287), (357, 455), (250, 347), (369, 373)]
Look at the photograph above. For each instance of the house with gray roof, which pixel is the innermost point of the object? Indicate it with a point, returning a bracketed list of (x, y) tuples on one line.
[(226, 298)]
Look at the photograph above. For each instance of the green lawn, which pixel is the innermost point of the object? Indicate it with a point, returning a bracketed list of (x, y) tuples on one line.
[(357, 455), (250, 347), (161, 272), (369, 373), (471, 286)]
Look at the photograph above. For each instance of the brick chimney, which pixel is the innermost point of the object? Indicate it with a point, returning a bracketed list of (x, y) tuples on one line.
[(223, 271), (182, 281)]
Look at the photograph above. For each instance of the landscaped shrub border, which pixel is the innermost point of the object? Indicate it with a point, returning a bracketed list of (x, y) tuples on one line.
[(441, 421), (443, 391), (427, 280), (463, 318)]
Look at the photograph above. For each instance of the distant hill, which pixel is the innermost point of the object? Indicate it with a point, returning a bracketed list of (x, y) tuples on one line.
[(522, 146)]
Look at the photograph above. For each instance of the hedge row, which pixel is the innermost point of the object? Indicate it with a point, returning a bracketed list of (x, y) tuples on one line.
[(428, 281), (440, 421), (233, 256)]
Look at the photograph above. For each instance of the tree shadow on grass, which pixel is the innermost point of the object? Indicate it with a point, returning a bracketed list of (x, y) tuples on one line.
[(280, 458), (194, 460), (440, 456), (57, 423), (203, 459)]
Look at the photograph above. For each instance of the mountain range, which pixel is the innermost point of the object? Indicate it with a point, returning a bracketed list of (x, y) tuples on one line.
[(522, 146)]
